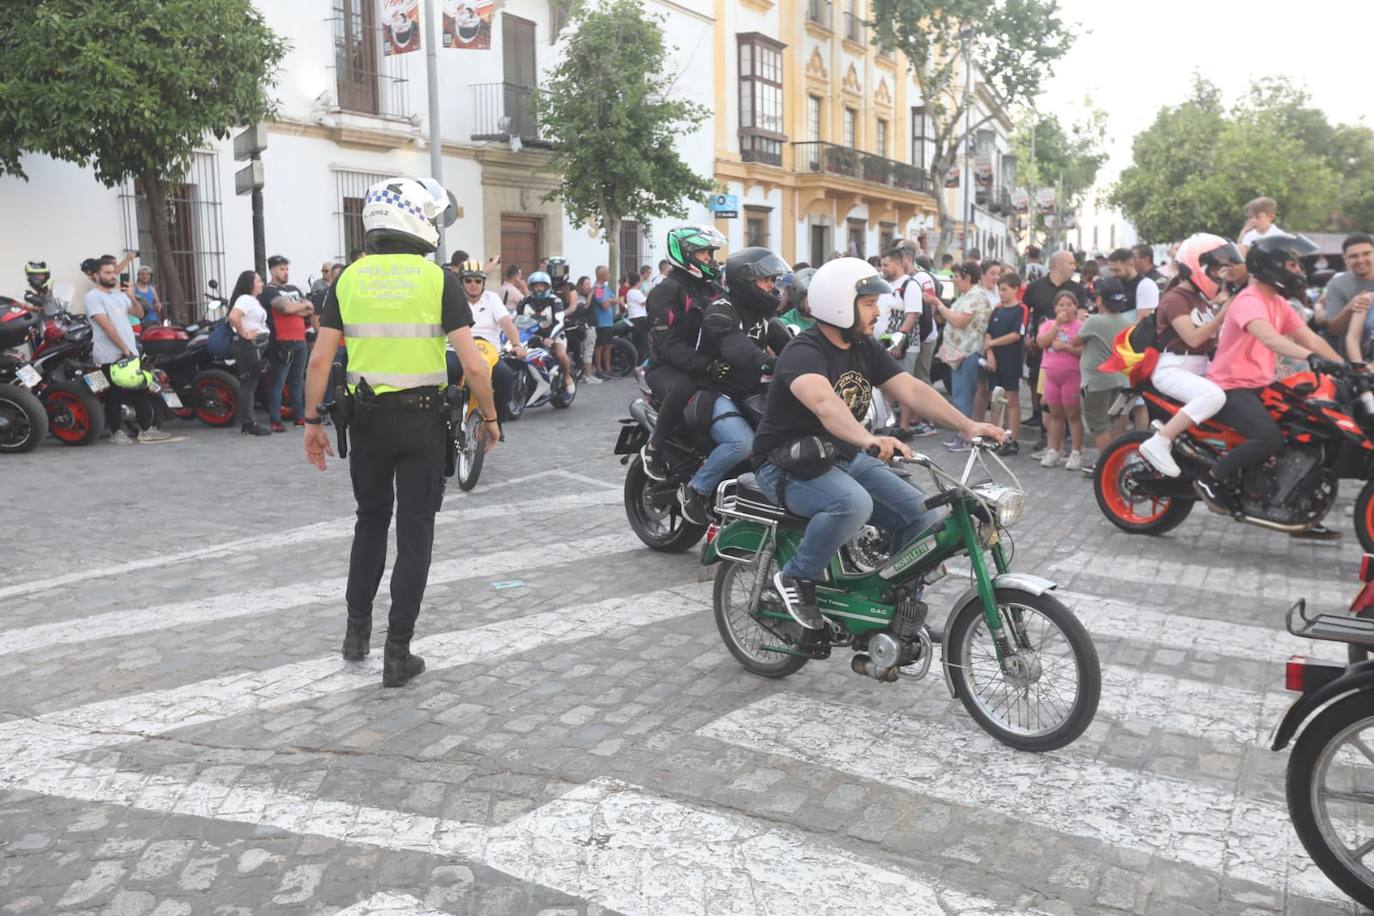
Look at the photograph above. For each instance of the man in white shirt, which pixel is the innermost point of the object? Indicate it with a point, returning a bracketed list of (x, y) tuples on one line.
[(924, 290), (113, 340), (636, 309), (663, 268), (490, 319)]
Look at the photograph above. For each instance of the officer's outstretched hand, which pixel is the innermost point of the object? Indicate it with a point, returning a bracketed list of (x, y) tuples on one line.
[(317, 446), (492, 434)]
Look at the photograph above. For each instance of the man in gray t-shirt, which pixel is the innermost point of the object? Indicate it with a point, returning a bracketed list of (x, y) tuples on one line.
[(112, 339), (1356, 281)]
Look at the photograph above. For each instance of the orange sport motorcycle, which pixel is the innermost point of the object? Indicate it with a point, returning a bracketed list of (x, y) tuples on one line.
[(1323, 443)]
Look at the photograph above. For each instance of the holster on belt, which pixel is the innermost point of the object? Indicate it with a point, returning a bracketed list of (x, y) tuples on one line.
[(455, 404), (345, 408)]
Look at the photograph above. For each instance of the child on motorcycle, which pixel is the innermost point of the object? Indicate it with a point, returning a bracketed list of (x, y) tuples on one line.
[(809, 447)]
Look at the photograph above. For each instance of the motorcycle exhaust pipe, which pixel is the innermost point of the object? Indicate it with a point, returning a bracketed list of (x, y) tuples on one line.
[(644, 415), (862, 664), (1274, 526)]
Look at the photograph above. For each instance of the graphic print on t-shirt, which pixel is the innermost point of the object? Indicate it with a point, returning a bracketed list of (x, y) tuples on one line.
[(856, 391)]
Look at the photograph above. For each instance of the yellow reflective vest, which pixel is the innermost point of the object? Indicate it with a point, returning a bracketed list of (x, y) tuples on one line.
[(392, 310)]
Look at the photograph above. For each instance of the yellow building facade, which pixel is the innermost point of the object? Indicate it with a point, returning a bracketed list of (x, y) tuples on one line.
[(818, 132)]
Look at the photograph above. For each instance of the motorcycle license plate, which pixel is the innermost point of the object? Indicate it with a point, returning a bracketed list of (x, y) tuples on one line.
[(96, 381), (28, 376), (171, 399)]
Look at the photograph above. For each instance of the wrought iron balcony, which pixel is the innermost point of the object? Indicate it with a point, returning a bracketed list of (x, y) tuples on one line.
[(505, 110), (831, 158), (818, 11)]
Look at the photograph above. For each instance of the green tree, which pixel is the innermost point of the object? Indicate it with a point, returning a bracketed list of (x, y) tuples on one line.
[(1197, 165), (1013, 45), (132, 88), (1049, 155), (607, 108)]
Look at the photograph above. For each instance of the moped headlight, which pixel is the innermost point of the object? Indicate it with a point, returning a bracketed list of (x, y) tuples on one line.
[(1008, 503)]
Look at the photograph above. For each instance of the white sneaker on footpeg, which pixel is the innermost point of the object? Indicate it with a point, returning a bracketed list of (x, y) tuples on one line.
[(1156, 450)]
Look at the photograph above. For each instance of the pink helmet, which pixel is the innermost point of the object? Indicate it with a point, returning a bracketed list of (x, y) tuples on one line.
[(1200, 259)]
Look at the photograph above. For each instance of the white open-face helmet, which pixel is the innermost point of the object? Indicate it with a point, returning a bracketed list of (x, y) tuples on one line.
[(835, 290), (409, 210)]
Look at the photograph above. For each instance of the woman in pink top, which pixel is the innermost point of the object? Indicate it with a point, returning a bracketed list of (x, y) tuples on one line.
[(1059, 367), (1259, 327)]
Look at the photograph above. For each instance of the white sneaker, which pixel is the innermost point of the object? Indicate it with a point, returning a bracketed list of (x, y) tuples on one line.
[(153, 434), (120, 437), (1075, 462), (1050, 459), (590, 379), (1156, 450)]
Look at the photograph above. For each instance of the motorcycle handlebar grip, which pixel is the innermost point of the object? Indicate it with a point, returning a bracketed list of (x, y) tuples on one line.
[(938, 500)]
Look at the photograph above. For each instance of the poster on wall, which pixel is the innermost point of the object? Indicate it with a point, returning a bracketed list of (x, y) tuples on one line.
[(467, 24), (1020, 200), (952, 176), (1044, 199), (400, 26), (982, 170)]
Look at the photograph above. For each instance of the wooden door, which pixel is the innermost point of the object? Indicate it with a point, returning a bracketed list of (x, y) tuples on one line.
[(520, 243)]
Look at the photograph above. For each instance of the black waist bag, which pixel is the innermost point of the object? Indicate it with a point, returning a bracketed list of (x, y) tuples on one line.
[(804, 458)]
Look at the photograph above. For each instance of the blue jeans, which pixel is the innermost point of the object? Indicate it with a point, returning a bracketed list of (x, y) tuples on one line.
[(965, 382), (288, 367), (840, 502), (734, 440)]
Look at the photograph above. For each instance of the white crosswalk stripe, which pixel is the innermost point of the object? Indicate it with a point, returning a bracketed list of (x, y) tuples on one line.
[(262, 601), (384, 904), (1194, 822)]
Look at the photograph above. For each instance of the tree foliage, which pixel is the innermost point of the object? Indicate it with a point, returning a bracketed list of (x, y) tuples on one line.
[(1197, 165), (608, 109), (132, 88), (1013, 44)]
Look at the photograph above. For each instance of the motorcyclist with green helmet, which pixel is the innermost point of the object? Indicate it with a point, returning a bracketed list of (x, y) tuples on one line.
[(675, 306), (798, 317)]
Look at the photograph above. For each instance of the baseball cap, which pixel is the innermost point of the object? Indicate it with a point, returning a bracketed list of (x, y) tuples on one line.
[(1113, 294)]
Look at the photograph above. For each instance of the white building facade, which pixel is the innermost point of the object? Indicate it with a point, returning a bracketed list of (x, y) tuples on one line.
[(350, 114)]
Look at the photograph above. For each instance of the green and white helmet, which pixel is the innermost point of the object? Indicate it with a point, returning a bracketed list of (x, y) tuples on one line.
[(686, 241)]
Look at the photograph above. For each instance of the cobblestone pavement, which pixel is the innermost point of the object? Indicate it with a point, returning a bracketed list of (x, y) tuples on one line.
[(181, 736)]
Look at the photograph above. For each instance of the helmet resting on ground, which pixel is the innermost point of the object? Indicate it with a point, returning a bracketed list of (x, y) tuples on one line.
[(747, 265), (834, 292), (407, 210)]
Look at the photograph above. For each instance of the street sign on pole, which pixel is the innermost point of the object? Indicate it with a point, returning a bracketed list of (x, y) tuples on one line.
[(249, 178), (250, 143), (725, 206)]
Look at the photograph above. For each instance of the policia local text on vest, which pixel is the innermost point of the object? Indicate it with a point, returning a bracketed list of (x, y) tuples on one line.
[(393, 309)]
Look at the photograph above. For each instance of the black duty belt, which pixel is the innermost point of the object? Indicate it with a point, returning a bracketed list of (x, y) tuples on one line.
[(416, 399)]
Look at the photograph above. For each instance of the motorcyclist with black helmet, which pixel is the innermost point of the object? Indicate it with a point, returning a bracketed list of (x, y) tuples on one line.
[(543, 305), (676, 368), (809, 449), (1259, 327), (736, 330)]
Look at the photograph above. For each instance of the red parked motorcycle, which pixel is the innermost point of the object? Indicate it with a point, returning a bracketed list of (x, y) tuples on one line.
[(1291, 492)]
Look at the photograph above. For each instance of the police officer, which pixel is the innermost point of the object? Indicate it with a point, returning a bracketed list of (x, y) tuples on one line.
[(393, 307)]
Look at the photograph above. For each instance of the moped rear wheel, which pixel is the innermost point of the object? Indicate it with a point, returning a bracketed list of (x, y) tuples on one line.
[(1046, 693), (746, 633), (1330, 775)]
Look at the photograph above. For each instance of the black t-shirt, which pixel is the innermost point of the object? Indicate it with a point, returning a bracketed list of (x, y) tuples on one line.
[(1006, 319), (457, 313), (853, 373), (1039, 298)]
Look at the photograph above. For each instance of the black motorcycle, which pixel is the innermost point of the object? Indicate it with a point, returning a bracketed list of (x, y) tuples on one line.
[(651, 505), (624, 355), (1330, 784)]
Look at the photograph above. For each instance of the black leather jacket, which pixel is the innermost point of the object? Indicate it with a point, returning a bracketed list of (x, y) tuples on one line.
[(743, 340), (676, 307)]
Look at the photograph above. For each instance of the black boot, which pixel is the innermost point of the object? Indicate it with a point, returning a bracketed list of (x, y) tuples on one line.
[(357, 642), (398, 665)]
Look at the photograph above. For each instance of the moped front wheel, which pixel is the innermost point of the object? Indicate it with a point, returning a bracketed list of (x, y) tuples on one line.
[(473, 451), (1044, 692), (746, 632), (1329, 774)]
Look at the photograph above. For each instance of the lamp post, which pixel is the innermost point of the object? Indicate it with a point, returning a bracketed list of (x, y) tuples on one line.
[(963, 36), (436, 141)]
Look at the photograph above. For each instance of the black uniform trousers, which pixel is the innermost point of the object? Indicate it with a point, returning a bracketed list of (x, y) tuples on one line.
[(395, 456)]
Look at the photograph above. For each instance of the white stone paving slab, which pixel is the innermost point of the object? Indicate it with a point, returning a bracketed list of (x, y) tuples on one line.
[(386, 904)]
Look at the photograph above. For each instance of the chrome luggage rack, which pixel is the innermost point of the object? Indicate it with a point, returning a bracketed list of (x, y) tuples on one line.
[(1331, 627)]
